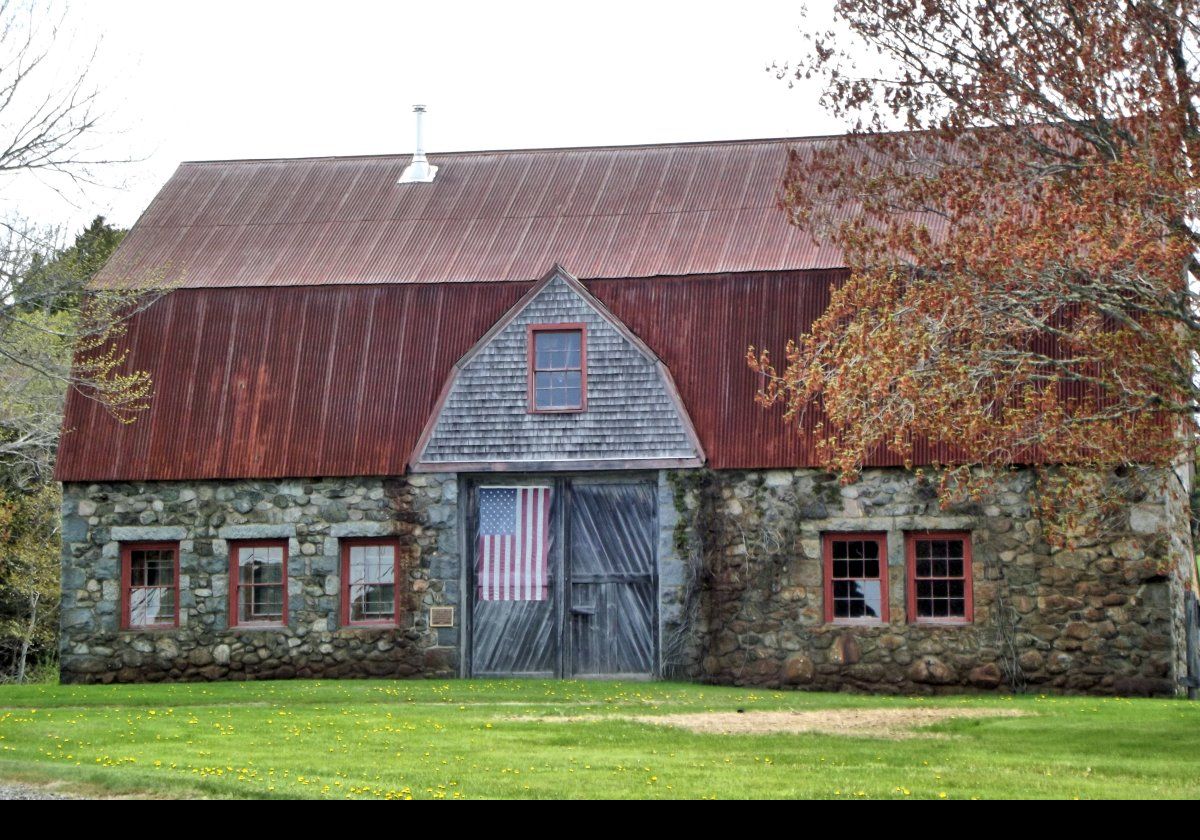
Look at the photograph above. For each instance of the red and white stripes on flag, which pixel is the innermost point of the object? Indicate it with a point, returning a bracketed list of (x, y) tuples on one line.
[(514, 542)]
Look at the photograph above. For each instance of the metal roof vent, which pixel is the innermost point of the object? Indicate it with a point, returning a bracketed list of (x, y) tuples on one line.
[(419, 171)]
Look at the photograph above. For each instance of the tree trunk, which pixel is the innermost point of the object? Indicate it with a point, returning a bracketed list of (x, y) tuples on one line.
[(33, 607)]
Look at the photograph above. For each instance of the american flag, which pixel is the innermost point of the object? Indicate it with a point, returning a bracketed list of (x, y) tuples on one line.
[(514, 531)]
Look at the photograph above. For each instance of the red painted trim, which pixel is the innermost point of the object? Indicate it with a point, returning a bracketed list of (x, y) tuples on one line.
[(235, 581), (880, 539), (911, 538), (127, 550), (531, 332), (346, 545)]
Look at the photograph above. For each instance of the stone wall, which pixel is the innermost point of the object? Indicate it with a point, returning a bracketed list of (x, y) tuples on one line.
[(1101, 617), (421, 511), (740, 578)]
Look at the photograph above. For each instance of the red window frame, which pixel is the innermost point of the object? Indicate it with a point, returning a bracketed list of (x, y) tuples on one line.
[(880, 539), (235, 583), (911, 539), (127, 550), (531, 351), (346, 545)]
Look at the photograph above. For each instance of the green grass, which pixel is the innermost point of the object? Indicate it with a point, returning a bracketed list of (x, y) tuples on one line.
[(475, 739)]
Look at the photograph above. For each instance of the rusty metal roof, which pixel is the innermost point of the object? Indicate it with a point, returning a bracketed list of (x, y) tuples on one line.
[(339, 381), (609, 212)]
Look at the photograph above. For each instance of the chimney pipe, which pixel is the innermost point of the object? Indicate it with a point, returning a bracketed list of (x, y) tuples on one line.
[(419, 171)]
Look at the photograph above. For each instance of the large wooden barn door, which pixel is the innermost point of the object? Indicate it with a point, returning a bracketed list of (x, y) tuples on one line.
[(516, 581), (564, 578), (613, 583)]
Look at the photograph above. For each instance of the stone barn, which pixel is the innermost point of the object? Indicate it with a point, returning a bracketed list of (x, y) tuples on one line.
[(496, 420)]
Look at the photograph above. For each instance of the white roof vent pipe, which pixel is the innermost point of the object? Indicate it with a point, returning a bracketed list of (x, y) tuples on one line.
[(419, 171)]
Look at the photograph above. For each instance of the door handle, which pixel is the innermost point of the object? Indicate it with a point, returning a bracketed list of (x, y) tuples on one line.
[(583, 610)]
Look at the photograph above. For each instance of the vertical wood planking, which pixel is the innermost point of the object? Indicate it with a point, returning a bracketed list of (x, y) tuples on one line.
[(613, 584), (601, 616)]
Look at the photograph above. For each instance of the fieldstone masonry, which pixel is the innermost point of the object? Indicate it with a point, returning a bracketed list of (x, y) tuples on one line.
[(740, 579), (1101, 617), (421, 511)]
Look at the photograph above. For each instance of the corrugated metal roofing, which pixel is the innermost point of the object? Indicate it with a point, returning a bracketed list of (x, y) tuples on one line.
[(633, 211), (339, 381)]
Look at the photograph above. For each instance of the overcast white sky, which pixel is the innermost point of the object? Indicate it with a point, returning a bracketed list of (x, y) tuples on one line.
[(218, 79)]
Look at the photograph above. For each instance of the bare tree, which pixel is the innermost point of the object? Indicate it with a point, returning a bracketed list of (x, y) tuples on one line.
[(58, 328), (51, 131), (49, 107)]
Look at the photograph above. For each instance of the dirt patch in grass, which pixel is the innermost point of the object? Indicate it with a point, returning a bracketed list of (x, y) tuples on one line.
[(27, 788), (872, 723), (867, 723)]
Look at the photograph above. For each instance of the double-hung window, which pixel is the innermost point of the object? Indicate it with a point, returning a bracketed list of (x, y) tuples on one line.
[(149, 586), (856, 585), (370, 573), (557, 367), (939, 578), (258, 584)]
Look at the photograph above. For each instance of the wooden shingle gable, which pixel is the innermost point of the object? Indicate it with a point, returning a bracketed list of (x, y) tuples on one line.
[(634, 418)]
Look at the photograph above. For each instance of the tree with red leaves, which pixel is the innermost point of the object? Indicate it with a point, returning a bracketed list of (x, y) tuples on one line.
[(1023, 179)]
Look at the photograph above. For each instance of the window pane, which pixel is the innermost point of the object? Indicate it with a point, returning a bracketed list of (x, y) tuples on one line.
[(260, 604), (372, 603), (870, 594), (260, 564), (358, 564), (558, 350), (558, 390), (145, 606), (268, 574), (262, 555), (151, 568), (387, 564)]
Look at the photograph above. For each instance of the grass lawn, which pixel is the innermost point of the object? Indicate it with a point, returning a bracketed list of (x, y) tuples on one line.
[(474, 739)]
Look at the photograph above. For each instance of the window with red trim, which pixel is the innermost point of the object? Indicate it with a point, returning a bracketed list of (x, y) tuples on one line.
[(939, 578), (258, 584), (150, 585), (557, 367), (370, 572), (856, 578)]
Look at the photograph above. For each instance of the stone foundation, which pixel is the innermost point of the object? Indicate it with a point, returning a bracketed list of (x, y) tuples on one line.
[(1102, 617), (740, 579), (421, 511)]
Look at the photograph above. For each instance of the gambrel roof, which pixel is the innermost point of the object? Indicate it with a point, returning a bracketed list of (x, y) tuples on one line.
[(628, 211), (322, 306)]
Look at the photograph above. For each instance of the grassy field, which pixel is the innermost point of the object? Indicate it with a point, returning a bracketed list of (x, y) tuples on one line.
[(474, 739)]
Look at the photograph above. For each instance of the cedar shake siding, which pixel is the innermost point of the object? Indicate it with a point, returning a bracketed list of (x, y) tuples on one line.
[(632, 413)]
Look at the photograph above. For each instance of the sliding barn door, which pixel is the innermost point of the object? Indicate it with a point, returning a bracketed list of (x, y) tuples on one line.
[(613, 589)]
